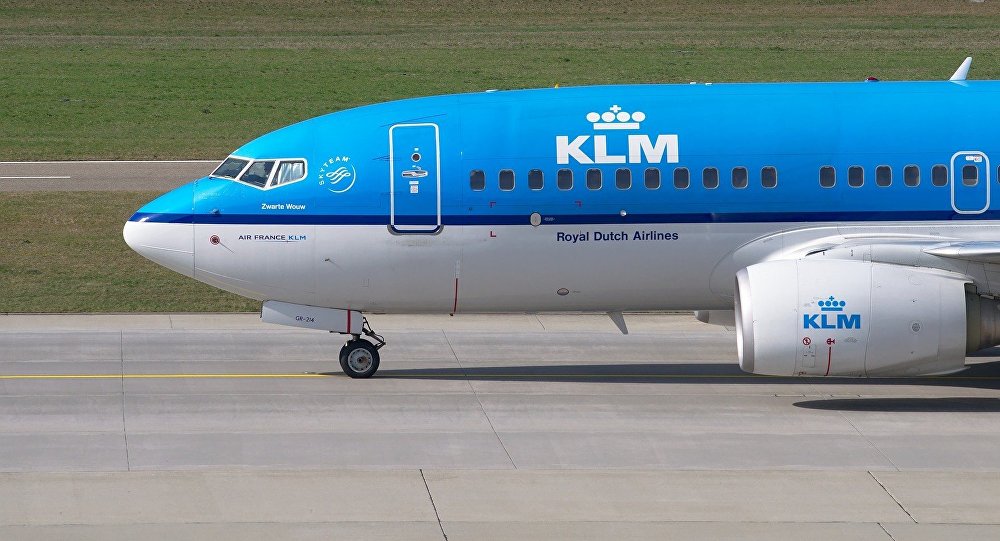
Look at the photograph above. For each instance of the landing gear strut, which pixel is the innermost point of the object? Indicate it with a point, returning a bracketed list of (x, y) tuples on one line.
[(359, 357)]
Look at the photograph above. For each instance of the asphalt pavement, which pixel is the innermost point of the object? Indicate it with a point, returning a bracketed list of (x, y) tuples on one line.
[(74, 176), (166, 426)]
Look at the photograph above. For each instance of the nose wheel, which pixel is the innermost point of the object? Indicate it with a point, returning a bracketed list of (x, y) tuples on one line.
[(359, 358)]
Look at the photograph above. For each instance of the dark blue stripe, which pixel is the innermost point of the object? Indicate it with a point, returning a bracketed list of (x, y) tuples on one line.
[(570, 219)]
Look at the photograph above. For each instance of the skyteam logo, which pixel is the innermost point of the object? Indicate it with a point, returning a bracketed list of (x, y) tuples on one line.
[(337, 174), (831, 316), (641, 148)]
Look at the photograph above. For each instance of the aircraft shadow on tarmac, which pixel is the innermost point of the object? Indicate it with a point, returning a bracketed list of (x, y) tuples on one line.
[(981, 376), (947, 404)]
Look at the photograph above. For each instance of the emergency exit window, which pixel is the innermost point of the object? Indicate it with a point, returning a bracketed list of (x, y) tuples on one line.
[(970, 175)]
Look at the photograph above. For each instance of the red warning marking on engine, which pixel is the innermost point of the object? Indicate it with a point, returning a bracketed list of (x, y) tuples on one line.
[(214, 239), (806, 341), (829, 354)]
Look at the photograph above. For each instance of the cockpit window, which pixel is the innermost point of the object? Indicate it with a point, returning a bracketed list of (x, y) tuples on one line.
[(289, 171), (258, 173), (230, 168)]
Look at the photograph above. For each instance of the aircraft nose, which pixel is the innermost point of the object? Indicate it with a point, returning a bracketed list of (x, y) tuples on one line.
[(170, 245), (163, 231)]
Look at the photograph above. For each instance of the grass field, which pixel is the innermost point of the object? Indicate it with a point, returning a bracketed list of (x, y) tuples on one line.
[(63, 252), (195, 79), (190, 79)]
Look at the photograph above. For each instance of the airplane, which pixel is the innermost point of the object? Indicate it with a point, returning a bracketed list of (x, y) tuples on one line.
[(842, 228)]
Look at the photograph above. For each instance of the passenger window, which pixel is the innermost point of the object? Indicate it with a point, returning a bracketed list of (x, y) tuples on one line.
[(768, 177), (289, 171), (258, 173), (883, 176), (740, 177), (535, 179), (911, 175), (564, 179), (593, 179), (827, 176), (623, 179), (939, 175), (652, 178), (477, 180), (970, 175), (506, 180), (710, 178), (230, 168), (682, 178), (855, 176)]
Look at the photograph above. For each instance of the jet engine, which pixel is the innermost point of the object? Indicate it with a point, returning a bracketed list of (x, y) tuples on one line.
[(858, 318)]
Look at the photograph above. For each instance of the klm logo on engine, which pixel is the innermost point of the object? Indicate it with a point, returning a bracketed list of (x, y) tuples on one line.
[(831, 316), (642, 148)]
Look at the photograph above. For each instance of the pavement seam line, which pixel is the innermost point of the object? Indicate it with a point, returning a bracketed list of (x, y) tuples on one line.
[(433, 505), (121, 355), (870, 442), (886, 531), (478, 399), (870, 473)]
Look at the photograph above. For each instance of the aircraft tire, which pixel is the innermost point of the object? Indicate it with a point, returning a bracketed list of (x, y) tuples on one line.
[(359, 358)]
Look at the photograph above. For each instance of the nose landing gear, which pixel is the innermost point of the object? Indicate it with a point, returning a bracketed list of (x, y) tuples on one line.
[(359, 357)]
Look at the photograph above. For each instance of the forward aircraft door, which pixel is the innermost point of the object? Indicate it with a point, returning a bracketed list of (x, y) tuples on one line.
[(970, 182), (415, 178)]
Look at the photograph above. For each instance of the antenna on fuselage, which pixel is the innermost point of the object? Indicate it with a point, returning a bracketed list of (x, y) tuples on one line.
[(963, 71)]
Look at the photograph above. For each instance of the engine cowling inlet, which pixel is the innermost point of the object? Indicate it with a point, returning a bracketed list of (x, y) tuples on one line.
[(858, 318)]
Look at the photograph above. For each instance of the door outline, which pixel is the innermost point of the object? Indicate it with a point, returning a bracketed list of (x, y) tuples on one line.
[(414, 229), (986, 159)]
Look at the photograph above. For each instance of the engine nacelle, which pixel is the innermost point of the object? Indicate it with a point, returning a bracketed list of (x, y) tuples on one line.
[(858, 318)]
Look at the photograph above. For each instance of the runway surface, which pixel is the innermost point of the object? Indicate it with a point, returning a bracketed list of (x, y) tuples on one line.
[(476, 427), (101, 175)]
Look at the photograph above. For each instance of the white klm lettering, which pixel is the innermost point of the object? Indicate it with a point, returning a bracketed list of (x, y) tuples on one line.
[(601, 151), (640, 149), (565, 149), (639, 146)]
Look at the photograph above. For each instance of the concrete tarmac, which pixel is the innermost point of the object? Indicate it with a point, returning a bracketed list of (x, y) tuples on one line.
[(476, 427), (101, 175)]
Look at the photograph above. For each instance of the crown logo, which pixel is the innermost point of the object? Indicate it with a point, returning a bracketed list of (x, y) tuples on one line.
[(616, 119), (832, 305)]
